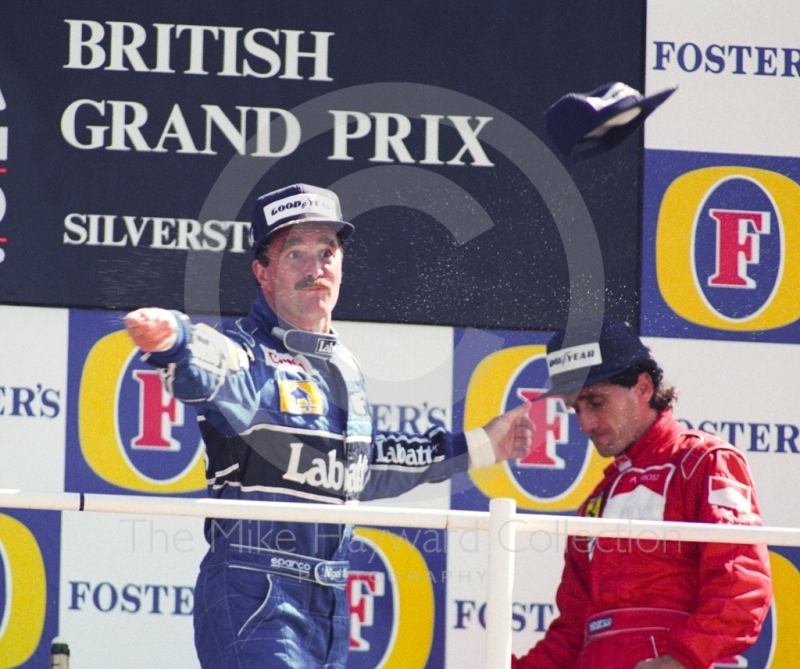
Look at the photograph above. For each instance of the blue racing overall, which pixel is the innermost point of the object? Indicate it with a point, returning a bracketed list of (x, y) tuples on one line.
[(285, 418)]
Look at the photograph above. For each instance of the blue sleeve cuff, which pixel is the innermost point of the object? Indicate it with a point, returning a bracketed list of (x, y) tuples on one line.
[(458, 444), (178, 349)]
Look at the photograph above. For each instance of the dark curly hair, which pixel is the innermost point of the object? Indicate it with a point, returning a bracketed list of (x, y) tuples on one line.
[(664, 397)]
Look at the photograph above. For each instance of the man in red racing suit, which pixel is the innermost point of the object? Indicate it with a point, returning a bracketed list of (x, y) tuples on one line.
[(651, 601)]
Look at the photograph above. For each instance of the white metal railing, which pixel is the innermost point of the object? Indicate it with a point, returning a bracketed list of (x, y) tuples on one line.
[(501, 521)]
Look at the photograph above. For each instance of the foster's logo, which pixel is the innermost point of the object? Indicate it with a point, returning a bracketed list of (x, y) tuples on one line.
[(562, 466), (391, 592), (28, 587), (130, 433), (727, 251)]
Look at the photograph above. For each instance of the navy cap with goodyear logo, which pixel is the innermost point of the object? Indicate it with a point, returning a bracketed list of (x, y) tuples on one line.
[(591, 358), (293, 205), (601, 119)]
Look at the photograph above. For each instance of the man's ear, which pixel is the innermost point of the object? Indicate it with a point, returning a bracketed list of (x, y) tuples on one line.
[(644, 387), (260, 272)]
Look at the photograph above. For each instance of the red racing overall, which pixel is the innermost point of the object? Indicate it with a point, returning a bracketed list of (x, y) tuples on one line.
[(625, 600)]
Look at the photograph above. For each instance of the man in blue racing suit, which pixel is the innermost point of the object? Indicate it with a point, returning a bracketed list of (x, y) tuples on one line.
[(284, 415)]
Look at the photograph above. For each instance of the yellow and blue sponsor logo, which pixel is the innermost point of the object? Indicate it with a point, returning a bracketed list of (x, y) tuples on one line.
[(494, 374), (300, 397), (721, 247), (29, 577), (124, 432), (396, 592)]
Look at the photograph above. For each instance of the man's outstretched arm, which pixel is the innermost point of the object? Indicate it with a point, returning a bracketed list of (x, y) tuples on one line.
[(152, 329)]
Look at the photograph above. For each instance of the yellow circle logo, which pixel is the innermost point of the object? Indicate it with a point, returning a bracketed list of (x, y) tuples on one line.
[(107, 378), (563, 466), (728, 249), (25, 593), (396, 588)]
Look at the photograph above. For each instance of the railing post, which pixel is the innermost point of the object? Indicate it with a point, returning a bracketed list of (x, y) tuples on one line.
[(502, 534)]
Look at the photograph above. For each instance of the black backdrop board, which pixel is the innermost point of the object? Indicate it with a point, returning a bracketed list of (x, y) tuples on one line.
[(122, 117)]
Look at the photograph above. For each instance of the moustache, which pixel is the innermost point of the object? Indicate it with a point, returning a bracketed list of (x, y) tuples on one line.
[(313, 283)]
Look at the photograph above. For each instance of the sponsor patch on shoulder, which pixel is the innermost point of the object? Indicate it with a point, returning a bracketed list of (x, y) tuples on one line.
[(730, 494), (300, 397)]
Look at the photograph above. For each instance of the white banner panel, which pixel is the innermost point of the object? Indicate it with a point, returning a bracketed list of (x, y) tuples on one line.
[(747, 393), (737, 64), (409, 375), (127, 585), (537, 573), (33, 393)]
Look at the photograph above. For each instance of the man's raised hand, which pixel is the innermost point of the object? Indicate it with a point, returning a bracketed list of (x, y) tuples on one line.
[(511, 433), (152, 329)]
